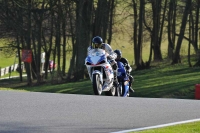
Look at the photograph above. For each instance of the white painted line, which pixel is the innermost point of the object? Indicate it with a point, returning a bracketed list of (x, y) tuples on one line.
[(158, 126)]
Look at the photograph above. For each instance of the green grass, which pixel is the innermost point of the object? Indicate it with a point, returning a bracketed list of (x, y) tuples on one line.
[(6, 61), (13, 73), (161, 81), (166, 81), (193, 127)]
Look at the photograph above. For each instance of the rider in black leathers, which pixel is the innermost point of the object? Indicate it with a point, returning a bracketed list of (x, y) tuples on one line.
[(127, 66)]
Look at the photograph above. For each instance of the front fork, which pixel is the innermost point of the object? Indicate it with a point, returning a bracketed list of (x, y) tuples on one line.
[(100, 74)]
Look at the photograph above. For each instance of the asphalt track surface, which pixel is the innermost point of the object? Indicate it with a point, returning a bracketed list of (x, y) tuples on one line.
[(32, 112)]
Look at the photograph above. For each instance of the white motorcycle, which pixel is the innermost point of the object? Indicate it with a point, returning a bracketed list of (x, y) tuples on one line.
[(100, 73)]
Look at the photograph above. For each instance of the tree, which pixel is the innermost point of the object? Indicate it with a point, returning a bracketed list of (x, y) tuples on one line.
[(138, 34), (171, 27), (196, 34), (103, 19), (177, 58), (83, 36), (157, 29)]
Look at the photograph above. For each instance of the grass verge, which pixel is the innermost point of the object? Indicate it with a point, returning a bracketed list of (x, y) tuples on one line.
[(193, 127)]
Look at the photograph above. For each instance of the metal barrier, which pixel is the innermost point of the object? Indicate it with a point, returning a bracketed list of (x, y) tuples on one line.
[(6, 70)]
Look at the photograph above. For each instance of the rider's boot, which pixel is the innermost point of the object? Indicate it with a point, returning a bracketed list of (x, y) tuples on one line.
[(130, 84), (131, 89)]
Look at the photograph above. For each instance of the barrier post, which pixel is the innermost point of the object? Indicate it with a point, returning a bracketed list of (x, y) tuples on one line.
[(197, 91)]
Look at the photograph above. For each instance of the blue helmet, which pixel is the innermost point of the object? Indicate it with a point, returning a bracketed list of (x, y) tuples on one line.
[(96, 42), (119, 54)]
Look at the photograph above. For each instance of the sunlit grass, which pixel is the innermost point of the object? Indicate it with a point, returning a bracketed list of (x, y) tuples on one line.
[(193, 127), (161, 81)]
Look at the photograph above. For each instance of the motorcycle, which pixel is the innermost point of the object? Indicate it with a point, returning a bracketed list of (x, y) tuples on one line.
[(100, 72), (123, 80)]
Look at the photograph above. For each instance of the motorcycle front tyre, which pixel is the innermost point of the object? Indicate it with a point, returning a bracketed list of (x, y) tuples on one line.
[(97, 87)]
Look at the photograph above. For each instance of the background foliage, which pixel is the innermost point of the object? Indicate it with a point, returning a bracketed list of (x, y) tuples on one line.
[(145, 31)]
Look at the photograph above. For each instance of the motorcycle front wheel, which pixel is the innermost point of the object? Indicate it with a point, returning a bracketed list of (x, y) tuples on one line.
[(97, 87)]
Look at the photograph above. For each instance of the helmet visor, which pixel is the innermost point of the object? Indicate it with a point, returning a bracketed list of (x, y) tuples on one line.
[(96, 45)]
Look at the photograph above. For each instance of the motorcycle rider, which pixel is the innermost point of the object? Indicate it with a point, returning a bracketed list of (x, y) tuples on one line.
[(97, 42), (127, 66)]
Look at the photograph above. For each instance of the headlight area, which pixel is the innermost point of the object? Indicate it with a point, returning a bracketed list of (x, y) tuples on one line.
[(101, 62)]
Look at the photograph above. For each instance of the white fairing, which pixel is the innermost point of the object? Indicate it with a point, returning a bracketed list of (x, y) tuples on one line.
[(108, 50), (95, 56)]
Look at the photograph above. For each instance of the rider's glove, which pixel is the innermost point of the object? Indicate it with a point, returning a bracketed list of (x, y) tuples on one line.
[(109, 58), (112, 62)]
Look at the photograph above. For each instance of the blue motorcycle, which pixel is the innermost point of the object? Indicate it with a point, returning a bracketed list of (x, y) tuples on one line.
[(123, 80)]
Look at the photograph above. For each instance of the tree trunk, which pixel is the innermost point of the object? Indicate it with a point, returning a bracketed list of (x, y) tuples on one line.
[(138, 34), (196, 41), (28, 43), (177, 58), (83, 34), (156, 8)]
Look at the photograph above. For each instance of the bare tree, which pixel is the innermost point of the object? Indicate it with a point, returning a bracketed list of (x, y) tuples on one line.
[(196, 36), (104, 19), (171, 28), (177, 58), (138, 33)]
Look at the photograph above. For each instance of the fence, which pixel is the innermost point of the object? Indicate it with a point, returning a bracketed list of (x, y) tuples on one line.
[(9, 69)]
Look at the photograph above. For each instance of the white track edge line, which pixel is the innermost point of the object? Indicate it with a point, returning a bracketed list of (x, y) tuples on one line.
[(157, 126)]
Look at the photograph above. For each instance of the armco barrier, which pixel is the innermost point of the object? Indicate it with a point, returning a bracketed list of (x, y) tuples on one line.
[(4, 71)]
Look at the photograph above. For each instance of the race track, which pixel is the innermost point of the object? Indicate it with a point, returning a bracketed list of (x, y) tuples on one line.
[(32, 112)]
